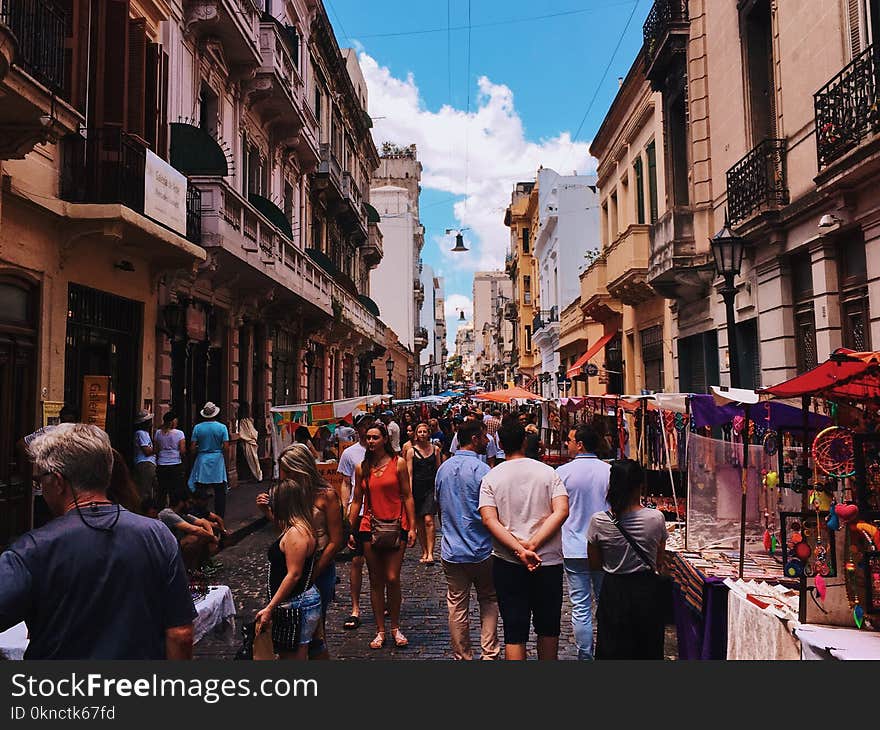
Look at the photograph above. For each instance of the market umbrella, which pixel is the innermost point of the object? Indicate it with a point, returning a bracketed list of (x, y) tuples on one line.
[(846, 375), (508, 394)]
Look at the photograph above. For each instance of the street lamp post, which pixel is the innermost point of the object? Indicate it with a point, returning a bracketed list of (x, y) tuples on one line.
[(389, 366), (727, 248)]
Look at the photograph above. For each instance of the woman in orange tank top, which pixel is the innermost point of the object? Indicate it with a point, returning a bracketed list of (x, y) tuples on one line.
[(383, 480)]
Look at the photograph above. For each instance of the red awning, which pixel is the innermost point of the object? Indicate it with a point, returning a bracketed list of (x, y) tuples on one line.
[(846, 375), (591, 352)]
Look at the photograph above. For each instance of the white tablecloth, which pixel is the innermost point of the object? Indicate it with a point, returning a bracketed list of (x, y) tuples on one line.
[(834, 642), (214, 609), (755, 633)]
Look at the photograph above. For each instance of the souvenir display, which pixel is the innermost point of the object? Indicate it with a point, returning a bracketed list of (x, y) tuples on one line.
[(807, 545)]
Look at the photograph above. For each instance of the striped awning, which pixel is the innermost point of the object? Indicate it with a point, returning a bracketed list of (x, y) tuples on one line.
[(591, 352)]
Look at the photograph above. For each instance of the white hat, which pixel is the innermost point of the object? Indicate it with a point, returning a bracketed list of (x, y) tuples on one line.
[(210, 410)]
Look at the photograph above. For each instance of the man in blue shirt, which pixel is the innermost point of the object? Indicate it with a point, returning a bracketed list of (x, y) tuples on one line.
[(466, 547), (586, 481)]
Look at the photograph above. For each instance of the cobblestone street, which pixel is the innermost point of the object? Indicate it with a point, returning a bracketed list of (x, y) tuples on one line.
[(423, 613)]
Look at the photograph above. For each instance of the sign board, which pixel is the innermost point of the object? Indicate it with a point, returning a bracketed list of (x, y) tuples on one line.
[(95, 400), (165, 194), (592, 369), (52, 412)]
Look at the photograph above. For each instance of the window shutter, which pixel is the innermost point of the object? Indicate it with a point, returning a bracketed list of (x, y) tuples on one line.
[(137, 78), (856, 23), (110, 72), (156, 100)]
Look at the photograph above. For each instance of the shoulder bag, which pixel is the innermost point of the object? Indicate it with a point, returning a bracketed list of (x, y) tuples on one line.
[(664, 583), (384, 534)]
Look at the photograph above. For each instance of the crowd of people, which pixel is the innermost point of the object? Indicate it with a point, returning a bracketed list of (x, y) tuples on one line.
[(512, 527)]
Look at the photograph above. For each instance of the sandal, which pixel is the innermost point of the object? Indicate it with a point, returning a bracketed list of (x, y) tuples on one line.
[(400, 640), (352, 622), (379, 641)]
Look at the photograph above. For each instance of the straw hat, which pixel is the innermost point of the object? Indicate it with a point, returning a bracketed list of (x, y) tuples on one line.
[(210, 410)]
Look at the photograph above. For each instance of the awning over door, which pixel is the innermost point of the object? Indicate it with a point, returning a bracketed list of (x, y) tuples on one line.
[(590, 353)]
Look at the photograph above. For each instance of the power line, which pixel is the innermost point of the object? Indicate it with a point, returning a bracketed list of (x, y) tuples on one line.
[(493, 24), (339, 20), (605, 72), (449, 46)]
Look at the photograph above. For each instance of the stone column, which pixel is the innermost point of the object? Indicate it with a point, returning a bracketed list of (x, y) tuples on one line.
[(872, 256), (826, 298), (775, 321)]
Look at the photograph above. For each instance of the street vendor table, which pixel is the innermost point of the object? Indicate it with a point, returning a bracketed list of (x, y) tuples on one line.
[(215, 609), (700, 597)]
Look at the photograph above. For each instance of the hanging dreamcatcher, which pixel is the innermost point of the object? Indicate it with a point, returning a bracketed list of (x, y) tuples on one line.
[(834, 453)]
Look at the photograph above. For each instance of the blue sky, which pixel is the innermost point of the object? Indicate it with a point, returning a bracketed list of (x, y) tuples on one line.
[(532, 72)]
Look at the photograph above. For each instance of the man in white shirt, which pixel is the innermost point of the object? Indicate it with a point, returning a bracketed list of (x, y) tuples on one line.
[(393, 430), (586, 481), (523, 504), (348, 463)]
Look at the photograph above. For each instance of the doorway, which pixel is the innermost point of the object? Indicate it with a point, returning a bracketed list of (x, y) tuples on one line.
[(18, 366), (104, 338)]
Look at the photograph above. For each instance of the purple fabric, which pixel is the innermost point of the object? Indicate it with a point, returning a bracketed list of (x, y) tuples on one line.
[(702, 635), (706, 412)]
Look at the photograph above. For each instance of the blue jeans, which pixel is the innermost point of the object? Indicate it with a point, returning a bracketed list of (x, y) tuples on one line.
[(583, 583)]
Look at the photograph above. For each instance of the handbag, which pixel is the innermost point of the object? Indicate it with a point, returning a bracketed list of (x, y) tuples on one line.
[(384, 534), (664, 584)]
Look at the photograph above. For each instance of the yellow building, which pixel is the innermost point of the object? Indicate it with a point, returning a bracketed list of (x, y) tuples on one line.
[(521, 218), (636, 320)]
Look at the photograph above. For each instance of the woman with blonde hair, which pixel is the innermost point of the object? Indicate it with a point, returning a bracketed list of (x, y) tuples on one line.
[(294, 608), (296, 462)]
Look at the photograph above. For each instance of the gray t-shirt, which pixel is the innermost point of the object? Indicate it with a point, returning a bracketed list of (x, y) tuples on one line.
[(171, 520), (647, 527)]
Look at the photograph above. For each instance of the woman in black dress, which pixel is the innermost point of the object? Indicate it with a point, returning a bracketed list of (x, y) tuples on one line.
[(423, 460)]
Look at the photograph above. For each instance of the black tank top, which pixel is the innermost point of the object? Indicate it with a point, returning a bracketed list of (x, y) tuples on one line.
[(424, 468), (278, 570)]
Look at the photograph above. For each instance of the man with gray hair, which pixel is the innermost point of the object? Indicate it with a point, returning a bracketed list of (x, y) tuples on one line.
[(97, 582)]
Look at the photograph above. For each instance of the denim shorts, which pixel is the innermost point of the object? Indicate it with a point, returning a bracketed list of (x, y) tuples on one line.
[(294, 621)]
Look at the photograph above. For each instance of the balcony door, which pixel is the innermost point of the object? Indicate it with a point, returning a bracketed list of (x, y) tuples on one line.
[(757, 35)]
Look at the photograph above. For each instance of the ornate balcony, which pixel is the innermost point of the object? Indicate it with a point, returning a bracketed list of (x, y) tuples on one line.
[(354, 215), (847, 109), (665, 35), (757, 183), (545, 318), (676, 269), (328, 176), (596, 302), (372, 248), (32, 77), (419, 291), (627, 266), (234, 23), (420, 338)]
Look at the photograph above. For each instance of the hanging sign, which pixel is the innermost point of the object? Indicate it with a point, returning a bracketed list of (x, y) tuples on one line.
[(95, 400), (164, 194)]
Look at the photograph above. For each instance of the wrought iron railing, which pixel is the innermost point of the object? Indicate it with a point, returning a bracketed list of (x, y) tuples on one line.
[(103, 165), (758, 181), (544, 317), (194, 214), (847, 107), (663, 14), (38, 27)]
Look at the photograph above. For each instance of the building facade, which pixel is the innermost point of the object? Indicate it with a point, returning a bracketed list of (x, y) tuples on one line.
[(492, 290), (636, 322), (397, 281), (568, 228), (465, 357), (432, 318), (520, 267), (186, 219), (793, 148)]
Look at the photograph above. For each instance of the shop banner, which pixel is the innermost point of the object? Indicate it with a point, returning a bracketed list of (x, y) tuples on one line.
[(95, 400), (164, 194)]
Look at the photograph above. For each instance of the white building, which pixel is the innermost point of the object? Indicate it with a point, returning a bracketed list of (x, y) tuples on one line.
[(568, 227), (464, 348), (433, 320), (396, 284)]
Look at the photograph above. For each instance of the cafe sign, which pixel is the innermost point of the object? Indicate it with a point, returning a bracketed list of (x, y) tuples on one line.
[(165, 194), (96, 400)]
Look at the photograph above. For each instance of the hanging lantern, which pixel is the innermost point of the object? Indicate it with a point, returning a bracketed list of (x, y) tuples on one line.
[(459, 243)]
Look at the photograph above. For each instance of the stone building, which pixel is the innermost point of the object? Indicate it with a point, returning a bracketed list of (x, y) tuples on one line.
[(184, 216)]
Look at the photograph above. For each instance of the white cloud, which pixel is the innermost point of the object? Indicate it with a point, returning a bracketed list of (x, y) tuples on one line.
[(479, 155), (455, 303)]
